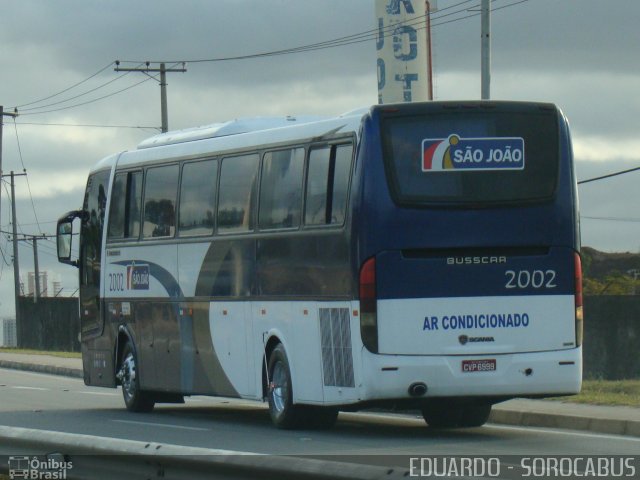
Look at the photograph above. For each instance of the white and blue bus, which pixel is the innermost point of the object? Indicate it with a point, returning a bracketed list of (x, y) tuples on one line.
[(410, 256)]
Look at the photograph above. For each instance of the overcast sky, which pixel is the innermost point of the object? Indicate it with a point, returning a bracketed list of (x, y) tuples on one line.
[(580, 54)]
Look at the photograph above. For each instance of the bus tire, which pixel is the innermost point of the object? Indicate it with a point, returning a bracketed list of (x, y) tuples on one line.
[(475, 415), (284, 414), (320, 418), (135, 399), (441, 415)]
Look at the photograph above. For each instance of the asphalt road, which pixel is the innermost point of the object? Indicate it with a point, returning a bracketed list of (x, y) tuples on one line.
[(64, 404)]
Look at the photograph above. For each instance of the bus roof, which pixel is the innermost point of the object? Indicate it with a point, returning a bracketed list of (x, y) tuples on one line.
[(233, 127), (236, 135)]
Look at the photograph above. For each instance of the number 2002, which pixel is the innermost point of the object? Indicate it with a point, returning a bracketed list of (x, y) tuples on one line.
[(527, 278), (116, 282)]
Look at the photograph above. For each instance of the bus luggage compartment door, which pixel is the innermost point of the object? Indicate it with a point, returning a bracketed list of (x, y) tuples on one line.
[(475, 303)]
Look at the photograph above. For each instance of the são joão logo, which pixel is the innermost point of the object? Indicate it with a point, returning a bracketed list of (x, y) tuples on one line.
[(457, 153), (138, 277)]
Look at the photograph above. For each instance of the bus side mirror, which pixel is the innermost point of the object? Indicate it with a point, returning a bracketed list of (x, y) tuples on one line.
[(64, 235)]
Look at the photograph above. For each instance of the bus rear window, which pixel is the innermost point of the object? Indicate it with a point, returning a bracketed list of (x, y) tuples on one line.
[(463, 158)]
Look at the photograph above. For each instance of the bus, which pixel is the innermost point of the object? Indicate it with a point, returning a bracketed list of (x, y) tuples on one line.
[(412, 256)]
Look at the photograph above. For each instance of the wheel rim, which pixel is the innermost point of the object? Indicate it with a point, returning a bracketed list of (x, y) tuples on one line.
[(129, 376), (280, 390)]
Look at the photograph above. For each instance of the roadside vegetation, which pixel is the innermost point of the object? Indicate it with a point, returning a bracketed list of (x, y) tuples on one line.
[(40, 352), (607, 392), (610, 273)]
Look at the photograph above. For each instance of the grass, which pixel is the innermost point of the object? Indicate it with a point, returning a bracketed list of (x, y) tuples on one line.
[(607, 392), (40, 352)]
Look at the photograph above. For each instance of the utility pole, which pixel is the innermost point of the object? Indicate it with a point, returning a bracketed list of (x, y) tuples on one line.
[(36, 291), (2, 115), (485, 61), (163, 99), (16, 261), (163, 85)]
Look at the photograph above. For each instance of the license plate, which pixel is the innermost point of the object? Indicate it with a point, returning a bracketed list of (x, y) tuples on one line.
[(484, 365)]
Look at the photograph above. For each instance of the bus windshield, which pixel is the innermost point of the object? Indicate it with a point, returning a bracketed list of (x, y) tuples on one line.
[(479, 158)]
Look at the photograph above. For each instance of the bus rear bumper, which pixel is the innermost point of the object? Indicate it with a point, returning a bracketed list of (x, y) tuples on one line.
[(548, 373)]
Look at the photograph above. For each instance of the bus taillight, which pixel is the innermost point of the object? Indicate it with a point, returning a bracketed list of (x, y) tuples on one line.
[(578, 299), (368, 305)]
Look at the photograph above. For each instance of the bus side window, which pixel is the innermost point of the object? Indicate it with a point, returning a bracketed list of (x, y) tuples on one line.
[(317, 177), (281, 189), (238, 177), (134, 204), (197, 198), (328, 185), (161, 188), (117, 208), (124, 213), (342, 172)]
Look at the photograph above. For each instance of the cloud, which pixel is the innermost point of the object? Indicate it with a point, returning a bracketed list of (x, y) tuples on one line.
[(47, 185), (607, 149)]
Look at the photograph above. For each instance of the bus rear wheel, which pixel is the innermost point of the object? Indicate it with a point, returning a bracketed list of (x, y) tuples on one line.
[(135, 399), (441, 415)]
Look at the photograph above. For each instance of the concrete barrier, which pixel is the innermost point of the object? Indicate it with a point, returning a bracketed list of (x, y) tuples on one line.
[(88, 456)]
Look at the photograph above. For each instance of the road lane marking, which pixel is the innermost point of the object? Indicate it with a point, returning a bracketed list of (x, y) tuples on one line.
[(104, 394), (17, 387), (165, 425), (566, 432)]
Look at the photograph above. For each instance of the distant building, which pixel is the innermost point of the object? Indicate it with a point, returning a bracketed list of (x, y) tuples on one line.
[(8, 334), (43, 282), (50, 284)]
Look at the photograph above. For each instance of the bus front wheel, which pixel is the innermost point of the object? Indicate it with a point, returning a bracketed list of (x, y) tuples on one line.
[(135, 399)]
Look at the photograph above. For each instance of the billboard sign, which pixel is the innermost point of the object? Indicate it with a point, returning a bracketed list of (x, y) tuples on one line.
[(403, 72)]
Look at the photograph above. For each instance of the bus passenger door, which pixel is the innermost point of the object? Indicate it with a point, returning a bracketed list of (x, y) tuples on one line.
[(95, 202)]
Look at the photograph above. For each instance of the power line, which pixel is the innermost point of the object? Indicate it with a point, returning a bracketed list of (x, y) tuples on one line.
[(602, 177), (613, 219), (66, 89), (44, 236), (365, 36), (370, 34), (89, 101), (31, 224), (150, 77), (86, 125), (76, 96), (24, 169)]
